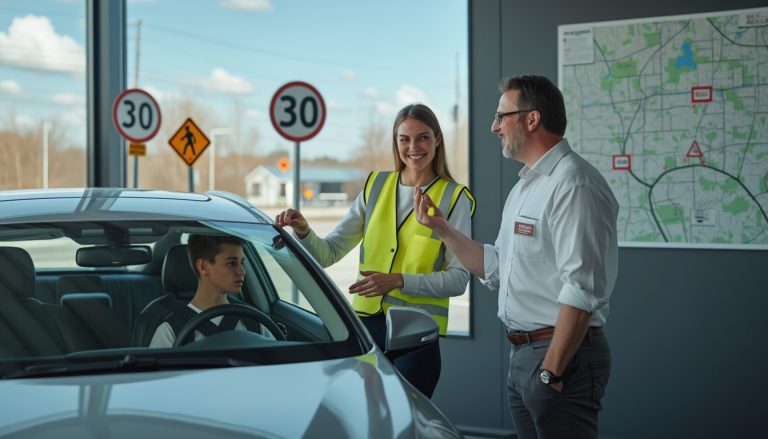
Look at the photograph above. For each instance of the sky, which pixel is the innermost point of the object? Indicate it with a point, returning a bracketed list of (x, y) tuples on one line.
[(366, 58)]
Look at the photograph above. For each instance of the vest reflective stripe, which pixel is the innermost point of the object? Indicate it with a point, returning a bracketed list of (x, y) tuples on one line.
[(411, 248), (373, 190), (444, 205)]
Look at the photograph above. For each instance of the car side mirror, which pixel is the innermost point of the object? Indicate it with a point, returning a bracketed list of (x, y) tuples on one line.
[(409, 328)]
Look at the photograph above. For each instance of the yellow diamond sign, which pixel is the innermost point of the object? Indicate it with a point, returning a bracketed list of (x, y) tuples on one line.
[(189, 142)]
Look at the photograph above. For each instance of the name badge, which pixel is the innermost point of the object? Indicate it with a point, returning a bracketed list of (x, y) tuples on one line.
[(525, 229)]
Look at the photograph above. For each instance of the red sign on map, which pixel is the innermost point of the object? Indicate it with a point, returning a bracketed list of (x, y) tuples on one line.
[(621, 162), (694, 150), (701, 94)]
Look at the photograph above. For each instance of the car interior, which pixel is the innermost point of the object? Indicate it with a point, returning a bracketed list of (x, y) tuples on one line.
[(76, 290)]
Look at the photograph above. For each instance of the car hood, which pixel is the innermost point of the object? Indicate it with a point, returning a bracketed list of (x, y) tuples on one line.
[(347, 398)]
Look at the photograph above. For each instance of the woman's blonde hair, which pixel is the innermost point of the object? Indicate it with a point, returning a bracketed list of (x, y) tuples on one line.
[(423, 114)]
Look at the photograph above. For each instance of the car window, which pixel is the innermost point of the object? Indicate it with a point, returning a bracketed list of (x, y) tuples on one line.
[(90, 289), (56, 253), (285, 287), (285, 274)]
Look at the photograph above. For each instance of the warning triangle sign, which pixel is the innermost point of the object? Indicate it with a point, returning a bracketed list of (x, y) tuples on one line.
[(694, 150)]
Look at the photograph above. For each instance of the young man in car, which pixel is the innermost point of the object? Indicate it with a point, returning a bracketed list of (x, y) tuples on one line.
[(218, 263)]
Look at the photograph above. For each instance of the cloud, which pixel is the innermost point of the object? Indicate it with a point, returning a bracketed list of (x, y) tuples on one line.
[(161, 95), (247, 5), (73, 118), (386, 108), (69, 99), (32, 43), (24, 122), (405, 95), (408, 94), (349, 74), (222, 81), (371, 93), (338, 106), (11, 87)]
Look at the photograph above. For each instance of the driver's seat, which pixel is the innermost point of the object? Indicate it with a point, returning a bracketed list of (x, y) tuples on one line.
[(179, 282)]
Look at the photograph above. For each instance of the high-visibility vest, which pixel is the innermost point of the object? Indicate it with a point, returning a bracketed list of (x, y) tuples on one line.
[(412, 248)]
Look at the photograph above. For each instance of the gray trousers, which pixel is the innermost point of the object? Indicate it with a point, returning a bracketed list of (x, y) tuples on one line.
[(542, 412)]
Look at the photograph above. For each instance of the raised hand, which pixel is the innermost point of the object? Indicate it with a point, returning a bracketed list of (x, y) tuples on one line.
[(426, 212), (295, 219)]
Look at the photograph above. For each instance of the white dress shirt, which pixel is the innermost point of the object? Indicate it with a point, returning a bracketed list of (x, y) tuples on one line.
[(349, 232), (557, 243)]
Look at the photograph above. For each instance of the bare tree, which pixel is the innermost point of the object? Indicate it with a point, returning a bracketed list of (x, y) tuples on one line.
[(457, 152), (21, 156), (375, 152)]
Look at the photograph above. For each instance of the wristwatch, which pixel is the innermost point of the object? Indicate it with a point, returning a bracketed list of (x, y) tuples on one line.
[(548, 377)]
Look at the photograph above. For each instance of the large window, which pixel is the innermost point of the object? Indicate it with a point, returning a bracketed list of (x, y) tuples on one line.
[(219, 62), (42, 94)]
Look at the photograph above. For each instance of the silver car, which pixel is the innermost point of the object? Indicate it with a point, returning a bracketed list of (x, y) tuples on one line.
[(87, 276)]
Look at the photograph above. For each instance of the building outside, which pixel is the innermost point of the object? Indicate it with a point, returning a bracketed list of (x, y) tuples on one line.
[(268, 186)]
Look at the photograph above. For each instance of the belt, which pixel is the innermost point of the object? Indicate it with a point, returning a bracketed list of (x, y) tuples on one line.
[(519, 337)]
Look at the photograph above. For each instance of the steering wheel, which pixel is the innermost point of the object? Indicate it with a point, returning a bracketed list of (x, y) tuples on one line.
[(228, 309)]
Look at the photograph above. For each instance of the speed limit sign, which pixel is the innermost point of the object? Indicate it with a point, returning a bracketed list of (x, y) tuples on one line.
[(297, 111), (136, 115)]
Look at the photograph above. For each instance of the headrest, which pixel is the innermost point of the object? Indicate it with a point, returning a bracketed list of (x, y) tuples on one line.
[(17, 271), (85, 283), (80, 300), (178, 275)]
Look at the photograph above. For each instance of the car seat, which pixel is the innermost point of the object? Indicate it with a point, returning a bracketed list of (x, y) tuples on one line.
[(180, 284), (27, 326)]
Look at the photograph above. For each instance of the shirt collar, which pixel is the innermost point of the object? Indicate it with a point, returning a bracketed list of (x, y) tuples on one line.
[(546, 163)]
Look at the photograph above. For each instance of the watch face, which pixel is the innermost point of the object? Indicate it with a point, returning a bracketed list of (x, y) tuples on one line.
[(544, 376)]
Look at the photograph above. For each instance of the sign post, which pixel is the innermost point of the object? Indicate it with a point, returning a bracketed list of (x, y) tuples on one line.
[(136, 116), (297, 112), (189, 142)]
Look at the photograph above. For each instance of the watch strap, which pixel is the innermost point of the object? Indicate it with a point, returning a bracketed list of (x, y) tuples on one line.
[(552, 377)]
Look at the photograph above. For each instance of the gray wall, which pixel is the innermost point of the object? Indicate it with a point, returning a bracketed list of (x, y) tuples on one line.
[(687, 330)]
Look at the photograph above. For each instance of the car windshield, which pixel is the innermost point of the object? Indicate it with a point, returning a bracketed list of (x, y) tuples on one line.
[(115, 295)]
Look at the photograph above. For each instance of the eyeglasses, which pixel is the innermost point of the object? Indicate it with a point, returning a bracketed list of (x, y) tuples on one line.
[(498, 117)]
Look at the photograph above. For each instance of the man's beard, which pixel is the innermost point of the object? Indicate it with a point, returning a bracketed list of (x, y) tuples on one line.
[(512, 145)]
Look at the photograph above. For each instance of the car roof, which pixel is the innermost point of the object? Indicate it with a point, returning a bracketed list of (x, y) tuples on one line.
[(104, 204)]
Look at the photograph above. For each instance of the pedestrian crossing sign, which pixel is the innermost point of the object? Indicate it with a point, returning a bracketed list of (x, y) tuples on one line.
[(189, 142)]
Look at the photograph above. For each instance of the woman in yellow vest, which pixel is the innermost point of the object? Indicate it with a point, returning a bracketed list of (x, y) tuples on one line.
[(401, 262)]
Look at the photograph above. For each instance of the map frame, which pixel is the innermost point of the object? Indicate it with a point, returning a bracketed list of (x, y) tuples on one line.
[(629, 117)]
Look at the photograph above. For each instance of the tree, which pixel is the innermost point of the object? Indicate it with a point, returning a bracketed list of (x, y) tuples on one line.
[(375, 152), (21, 157)]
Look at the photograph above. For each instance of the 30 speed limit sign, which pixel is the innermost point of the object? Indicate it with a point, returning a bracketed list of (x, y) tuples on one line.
[(136, 115), (297, 111)]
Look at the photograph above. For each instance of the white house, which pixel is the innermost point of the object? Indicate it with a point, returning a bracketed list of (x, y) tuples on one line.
[(268, 186)]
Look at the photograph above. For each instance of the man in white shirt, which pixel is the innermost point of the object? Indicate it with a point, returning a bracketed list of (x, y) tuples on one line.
[(554, 263)]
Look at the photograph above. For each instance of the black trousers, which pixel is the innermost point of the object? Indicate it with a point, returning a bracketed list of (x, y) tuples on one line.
[(421, 368), (539, 411)]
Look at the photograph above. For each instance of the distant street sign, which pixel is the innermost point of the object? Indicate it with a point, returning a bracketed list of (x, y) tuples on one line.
[(297, 111), (189, 142), (136, 115), (284, 164), (137, 149)]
